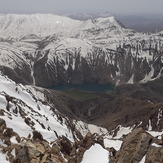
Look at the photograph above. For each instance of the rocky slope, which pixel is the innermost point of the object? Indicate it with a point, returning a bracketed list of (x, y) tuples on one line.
[(47, 50), (25, 116), (107, 110), (32, 129)]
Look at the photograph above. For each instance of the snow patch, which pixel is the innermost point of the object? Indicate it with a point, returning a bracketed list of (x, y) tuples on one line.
[(143, 159), (96, 154), (156, 145), (3, 157), (116, 144), (131, 80)]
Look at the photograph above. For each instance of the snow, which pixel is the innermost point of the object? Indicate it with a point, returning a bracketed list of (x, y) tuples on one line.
[(37, 92), (33, 110), (96, 154), (35, 24), (96, 129), (159, 116), (123, 131), (131, 80), (2, 143), (3, 157), (156, 145), (116, 144), (117, 82), (155, 133), (84, 128), (18, 126), (3, 102), (80, 45), (148, 77), (149, 126), (143, 159), (13, 140), (13, 153)]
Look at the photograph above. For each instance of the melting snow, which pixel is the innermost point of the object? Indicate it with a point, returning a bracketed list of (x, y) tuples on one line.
[(123, 131), (155, 133), (149, 76), (131, 80), (96, 154), (3, 158), (96, 129), (116, 144), (149, 126), (143, 159), (156, 145)]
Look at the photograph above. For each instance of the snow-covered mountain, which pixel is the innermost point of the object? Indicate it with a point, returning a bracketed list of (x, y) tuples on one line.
[(55, 50), (40, 125), (42, 25)]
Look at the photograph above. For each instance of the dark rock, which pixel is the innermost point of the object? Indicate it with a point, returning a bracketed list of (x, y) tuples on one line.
[(22, 156), (65, 145), (134, 147), (154, 155), (37, 135)]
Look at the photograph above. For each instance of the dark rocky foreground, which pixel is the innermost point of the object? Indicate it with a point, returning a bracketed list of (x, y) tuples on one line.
[(136, 145)]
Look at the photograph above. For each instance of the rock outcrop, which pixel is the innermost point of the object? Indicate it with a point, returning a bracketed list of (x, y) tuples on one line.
[(134, 147)]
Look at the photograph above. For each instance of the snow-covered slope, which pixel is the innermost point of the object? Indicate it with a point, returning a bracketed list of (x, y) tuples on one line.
[(41, 25), (28, 113)]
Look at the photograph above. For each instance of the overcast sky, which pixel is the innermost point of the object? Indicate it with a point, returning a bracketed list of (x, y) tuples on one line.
[(81, 6)]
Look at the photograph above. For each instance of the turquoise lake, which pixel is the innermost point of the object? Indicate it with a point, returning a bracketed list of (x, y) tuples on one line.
[(92, 87)]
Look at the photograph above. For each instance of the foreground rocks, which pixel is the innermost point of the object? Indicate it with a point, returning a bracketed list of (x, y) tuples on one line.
[(38, 150), (136, 146)]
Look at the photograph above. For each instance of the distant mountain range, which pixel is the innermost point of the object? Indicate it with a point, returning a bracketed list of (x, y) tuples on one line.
[(141, 23), (47, 50)]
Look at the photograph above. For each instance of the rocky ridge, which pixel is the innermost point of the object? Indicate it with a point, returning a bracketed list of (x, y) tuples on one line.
[(33, 130)]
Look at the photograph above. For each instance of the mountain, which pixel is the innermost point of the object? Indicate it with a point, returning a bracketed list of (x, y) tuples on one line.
[(87, 16), (44, 125), (47, 50)]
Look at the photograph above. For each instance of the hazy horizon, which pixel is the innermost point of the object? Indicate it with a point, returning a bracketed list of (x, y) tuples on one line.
[(125, 7)]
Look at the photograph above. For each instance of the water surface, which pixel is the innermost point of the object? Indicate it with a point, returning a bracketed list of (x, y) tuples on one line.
[(92, 87)]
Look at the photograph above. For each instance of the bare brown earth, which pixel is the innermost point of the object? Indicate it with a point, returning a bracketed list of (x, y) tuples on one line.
[(128, 105)]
